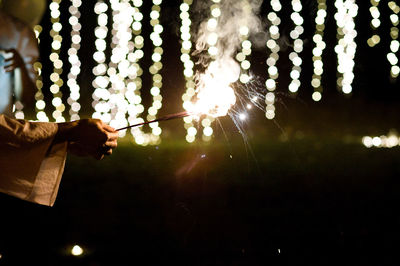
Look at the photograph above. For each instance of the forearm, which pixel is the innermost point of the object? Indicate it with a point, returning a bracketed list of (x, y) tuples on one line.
[(20, 133)]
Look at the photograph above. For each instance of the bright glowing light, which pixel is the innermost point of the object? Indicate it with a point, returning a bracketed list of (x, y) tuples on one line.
[(246, 48), (385, 141), (187, 62), (76, 250), (272, 60), (367, 141), (132, 95), (205, 91), (74, 60), (214, 95), (242, 116), (297, 45), (318, 50), (375, 23), (57, 63), (101, 81), (394, 44), (346, 48)]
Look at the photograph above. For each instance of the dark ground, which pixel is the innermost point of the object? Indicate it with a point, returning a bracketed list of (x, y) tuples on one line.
[(304, 201)]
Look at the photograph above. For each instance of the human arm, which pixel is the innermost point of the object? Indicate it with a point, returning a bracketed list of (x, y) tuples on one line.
[(88, 137), (32, 154)]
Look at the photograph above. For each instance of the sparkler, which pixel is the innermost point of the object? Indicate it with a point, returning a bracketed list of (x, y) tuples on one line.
[(164, 118), (215, 97), (220, 36)]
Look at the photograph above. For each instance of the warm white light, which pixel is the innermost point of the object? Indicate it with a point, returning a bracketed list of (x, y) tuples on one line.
[(187, 62), (297, 46), (74, 60), (318, 50), (346, 48), (367, 141), (57, 63), (273, 46), (76, 250), (215, 96), (101, 95), (394, 44), (316, 96)]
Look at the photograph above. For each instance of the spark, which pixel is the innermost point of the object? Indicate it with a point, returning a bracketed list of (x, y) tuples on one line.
[(215, 95)]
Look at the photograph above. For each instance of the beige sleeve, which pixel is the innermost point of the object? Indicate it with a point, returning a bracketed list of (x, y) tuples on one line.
[(30, 165)]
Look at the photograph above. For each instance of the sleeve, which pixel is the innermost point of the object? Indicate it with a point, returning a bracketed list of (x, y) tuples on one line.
[(31, 166)]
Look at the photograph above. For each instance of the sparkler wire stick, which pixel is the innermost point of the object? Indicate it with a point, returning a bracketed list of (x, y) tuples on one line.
[(164, 118)]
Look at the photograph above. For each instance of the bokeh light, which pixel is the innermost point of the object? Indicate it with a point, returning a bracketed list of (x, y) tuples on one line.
[(319, 47), (295, 35), (74, 60), (55, 58), (346, 47), (274, 48)]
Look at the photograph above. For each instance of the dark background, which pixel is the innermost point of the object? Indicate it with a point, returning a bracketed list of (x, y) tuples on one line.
[(302, 191)]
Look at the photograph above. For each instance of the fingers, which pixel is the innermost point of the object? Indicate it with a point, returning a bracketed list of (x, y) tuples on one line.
[(10, 67), (108, 128), (14, 61), (112, 136), (12, 50), (96, 138), (111, 144)]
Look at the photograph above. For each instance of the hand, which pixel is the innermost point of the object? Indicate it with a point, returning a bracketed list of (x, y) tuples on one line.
[(14, 62), (88, 137)]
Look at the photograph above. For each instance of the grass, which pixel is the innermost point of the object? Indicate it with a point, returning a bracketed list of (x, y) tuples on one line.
[(217, 204)]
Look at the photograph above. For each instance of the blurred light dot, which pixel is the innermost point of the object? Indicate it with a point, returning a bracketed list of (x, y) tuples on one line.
[(316, 96), (76, 250)]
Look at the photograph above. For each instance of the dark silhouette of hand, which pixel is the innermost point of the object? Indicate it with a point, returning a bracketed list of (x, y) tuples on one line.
[(13, 62), (88, 137)]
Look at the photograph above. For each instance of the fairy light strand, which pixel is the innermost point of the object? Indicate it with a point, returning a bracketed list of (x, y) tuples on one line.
[(118, 64), (375, 23), (55, 77), (242, 56), (74, 60), (135, 84), (101, 95), (140, 136), (274, 48), (187, 64), (155, 70), (212, 41), (40, 104), (295, 35), (394, 44), (346, 47), (317, 52), (391, 140)]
